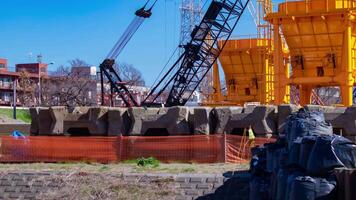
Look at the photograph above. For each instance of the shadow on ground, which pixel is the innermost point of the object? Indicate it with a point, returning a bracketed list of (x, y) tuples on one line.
[(236, 187)]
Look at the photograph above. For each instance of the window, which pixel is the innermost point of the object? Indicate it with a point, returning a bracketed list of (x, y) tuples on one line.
[(2, 65), (43, 69), (247, 91)]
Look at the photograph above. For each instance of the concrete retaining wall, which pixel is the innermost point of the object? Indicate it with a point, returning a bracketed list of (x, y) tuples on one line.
[(7, 129), (35, 185), (103, 121)]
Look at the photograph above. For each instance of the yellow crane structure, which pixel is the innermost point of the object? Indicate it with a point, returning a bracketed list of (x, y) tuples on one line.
[(304, 45), (248, 66), (321, 37)]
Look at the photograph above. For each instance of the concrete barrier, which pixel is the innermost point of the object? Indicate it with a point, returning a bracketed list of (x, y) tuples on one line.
[(44, 121), (284, 111), (86, 121), (233, 120), (222, 116), (325, 109), (343, 123), (118, 121), (343, 119), (200, 120), (159, 121), (103, 121), (34, 128), (58, 115)]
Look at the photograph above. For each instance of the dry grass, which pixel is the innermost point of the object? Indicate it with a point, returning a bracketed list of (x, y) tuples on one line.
[(101, 182), (173, 168), (81, 185)]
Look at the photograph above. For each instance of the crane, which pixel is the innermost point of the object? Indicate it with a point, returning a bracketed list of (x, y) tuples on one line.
[(208, 39), (107, 66), (199, 55)]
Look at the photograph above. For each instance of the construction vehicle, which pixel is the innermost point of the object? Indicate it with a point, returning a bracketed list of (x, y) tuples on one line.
[(107, 66), (197, 58)]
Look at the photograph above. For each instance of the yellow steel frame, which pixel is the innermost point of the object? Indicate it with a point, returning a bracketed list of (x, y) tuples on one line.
[(321, 37)]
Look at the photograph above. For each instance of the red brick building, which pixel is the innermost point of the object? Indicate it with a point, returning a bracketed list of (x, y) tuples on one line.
[(3, 64), (33, 68), (7, 78)]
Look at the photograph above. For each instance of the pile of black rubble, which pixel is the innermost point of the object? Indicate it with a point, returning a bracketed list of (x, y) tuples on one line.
[(300, 164)]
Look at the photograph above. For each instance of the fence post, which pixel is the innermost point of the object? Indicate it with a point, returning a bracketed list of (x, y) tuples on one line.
[(120, 148), (224, 147)]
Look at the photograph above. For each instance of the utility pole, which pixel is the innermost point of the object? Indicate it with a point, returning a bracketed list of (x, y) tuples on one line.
[(39, 60), (14, 98)]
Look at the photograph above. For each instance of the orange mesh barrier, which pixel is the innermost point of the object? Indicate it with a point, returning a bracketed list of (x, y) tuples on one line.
[(198, 149)]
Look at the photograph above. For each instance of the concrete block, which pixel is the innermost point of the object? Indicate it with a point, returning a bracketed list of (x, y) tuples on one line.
[(342, 119), (284, 111), (118, 121), (58, 115), (159, 121), (232, 120), (222, 116), (325, 109), (44, 121), (200, 120), (344, 123), (249, 108), (34, 112), (86, 121)]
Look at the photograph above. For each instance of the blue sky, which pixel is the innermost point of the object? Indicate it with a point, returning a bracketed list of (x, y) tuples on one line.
[(61, 30)]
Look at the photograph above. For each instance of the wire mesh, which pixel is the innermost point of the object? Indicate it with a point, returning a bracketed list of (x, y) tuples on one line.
[(184, 149)]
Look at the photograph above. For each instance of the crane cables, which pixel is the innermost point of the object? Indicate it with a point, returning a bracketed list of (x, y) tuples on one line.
[(141, 15)]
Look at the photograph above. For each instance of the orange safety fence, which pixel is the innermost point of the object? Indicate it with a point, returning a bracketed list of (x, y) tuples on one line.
[(186, 149)]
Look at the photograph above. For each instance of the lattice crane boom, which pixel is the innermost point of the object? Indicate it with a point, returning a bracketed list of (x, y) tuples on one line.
[(107, 66), (199, 55)]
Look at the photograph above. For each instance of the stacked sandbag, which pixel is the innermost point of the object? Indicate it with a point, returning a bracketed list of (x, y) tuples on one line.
[(258, 164), (330, 152), (260, 177), (303, 123), (301, 163), (306, 187)]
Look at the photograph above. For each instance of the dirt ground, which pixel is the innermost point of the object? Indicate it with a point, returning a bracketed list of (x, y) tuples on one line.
[(173, 168)]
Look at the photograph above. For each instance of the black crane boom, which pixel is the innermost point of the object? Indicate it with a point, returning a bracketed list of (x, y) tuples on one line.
[(107, 66), (199, 55)]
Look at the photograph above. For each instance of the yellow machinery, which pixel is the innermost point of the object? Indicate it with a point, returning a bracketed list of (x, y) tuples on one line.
[(321, 37), (248, 71), (248, 65)]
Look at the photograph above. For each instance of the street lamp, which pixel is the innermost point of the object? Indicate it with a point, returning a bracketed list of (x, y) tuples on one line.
[(39, 82)]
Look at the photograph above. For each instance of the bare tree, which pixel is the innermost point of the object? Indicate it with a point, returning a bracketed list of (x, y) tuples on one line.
[(68, 87), (130, 74), (78, 63), (27, 90)]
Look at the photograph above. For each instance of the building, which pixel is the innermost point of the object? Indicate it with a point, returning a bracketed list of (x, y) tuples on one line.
[(33, 68), (3, 64), (7, 79)]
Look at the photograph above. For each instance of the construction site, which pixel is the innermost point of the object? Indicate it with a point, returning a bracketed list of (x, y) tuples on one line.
[(278, 103)]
